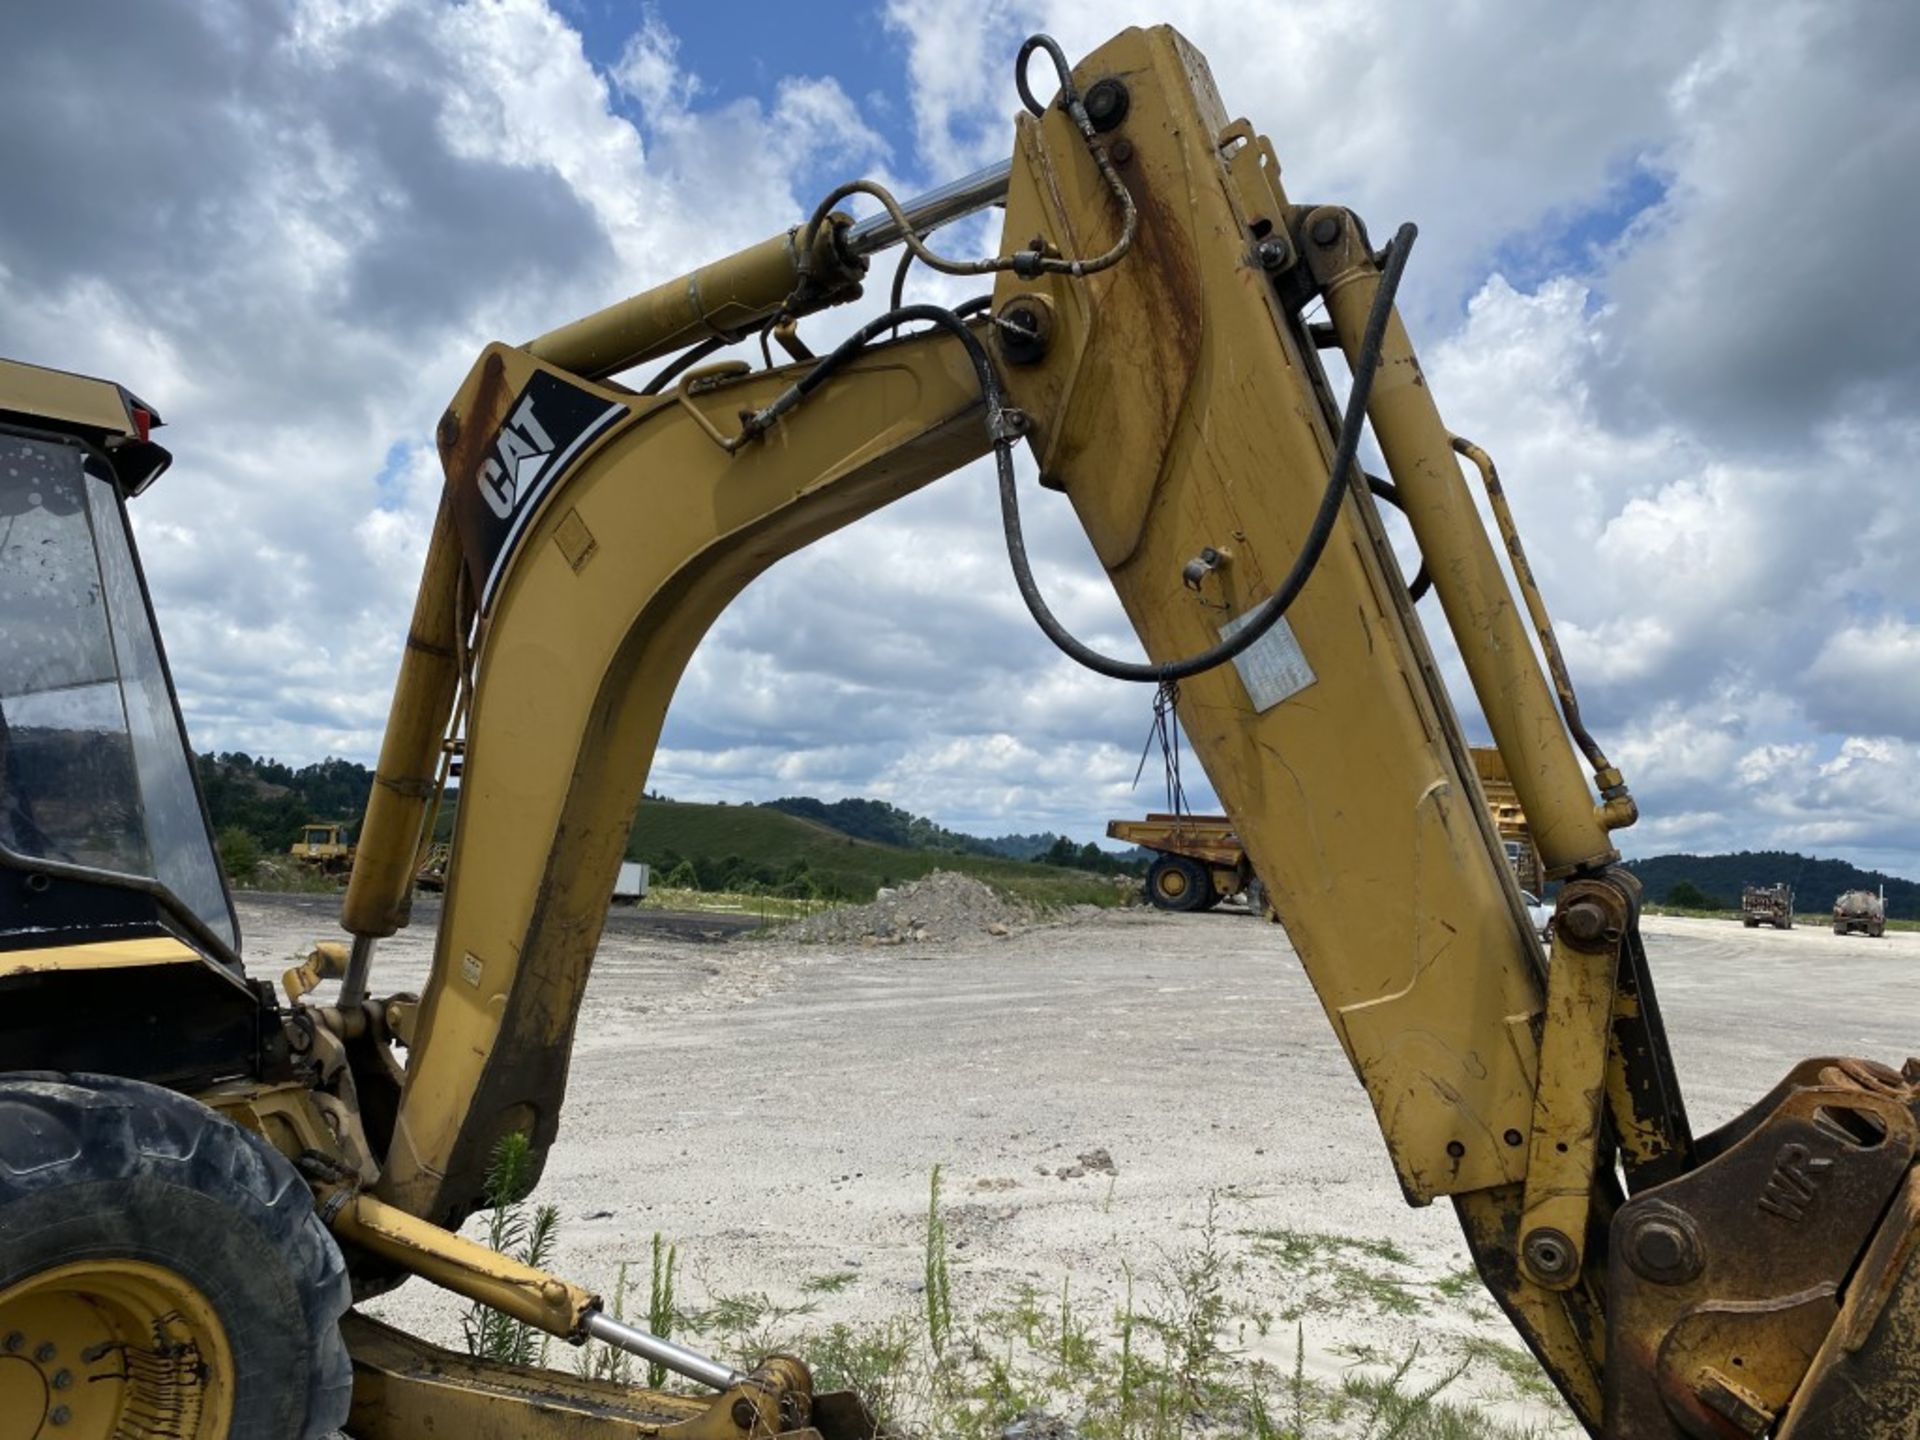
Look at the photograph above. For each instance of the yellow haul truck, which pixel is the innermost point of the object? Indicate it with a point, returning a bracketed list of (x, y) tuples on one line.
[(1199, 860), (199, 1175)]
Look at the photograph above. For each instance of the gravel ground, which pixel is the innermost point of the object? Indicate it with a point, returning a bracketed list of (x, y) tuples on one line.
[(775, 1107)]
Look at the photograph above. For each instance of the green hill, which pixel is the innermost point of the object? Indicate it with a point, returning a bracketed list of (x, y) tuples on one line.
[(727, 846), (1815, 882), (271, 801)]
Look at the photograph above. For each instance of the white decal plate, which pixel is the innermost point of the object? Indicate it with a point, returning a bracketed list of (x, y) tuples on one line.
[(1274, 667)]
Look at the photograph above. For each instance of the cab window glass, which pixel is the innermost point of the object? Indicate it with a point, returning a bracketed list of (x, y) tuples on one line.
[(94, 769)]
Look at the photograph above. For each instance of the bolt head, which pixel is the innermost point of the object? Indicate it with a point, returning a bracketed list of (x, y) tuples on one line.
[(1024, 327), (1662, 1249), (59, 1415), (1583, 923), (13, 1342), (744, 1415), (45, 1351), (1272, 252), (62, 1379), (1548, 1253), (1325, 230), (1107, 102)]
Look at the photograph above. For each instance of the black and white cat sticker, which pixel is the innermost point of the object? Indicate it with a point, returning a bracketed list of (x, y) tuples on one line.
[(546, 428)]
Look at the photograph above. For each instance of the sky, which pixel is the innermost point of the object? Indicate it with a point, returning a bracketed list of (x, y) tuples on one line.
[(1663, 276)]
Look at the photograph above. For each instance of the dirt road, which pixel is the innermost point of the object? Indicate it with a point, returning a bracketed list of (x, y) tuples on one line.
[(776, 1109)]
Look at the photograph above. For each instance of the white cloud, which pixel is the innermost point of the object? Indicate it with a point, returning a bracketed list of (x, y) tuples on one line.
[(1698, 410), (1869, 674)]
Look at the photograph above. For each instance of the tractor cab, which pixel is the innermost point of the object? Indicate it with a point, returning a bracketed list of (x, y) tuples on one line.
[(109, 880)]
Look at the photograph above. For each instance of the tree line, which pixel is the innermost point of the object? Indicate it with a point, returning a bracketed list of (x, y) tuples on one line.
[(1714, 882)]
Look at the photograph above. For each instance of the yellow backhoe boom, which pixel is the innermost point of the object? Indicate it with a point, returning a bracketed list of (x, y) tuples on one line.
[(1146, 338)]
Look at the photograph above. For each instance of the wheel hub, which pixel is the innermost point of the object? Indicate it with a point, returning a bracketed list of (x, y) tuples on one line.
[(111, 1347)]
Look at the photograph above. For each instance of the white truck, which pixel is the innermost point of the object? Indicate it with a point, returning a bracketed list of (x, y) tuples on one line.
[(631, 887)]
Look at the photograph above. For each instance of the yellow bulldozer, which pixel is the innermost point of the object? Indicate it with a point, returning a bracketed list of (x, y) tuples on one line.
[(323, 845), (201, 1178)]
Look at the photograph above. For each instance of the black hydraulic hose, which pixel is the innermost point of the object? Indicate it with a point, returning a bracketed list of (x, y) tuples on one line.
[(1027, 263), (680, 363), (898, 296), (1275, 605), (1386, 490), (1060, 66), (1005, 426), (999, 424)]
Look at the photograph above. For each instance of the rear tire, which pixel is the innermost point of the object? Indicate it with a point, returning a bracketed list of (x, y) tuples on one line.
[(153, 1241), (1177, 883)]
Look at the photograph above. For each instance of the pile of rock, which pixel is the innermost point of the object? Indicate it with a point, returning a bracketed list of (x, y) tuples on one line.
[(944, 906)]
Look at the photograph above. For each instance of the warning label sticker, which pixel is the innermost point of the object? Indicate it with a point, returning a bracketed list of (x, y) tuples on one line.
[(1274, 666)]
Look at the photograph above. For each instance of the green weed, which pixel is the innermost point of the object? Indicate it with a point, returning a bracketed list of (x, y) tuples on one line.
[(939, 1294), (527, 1236)]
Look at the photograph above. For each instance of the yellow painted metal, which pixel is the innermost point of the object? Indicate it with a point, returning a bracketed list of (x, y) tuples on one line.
[(98, 955), (575, 670), (98, 1349), (326, 961), (462, 1266), (1564, 1328), (404, 778), (1493, 641), (62, 400), (1181, 408), (323, 842), (726, 299), (1617, 807), (404, 1388), (286, 1115), (1177, 409), (1568, 1107), (1509, 819)]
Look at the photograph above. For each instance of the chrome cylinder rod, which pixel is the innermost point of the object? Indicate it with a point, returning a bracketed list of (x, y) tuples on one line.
[(949, 202), (353, 985), (677, 1358)]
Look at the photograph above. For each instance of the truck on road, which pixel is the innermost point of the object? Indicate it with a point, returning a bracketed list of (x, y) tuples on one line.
[(1767, 905), (1199, 862), (1860, 912)]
